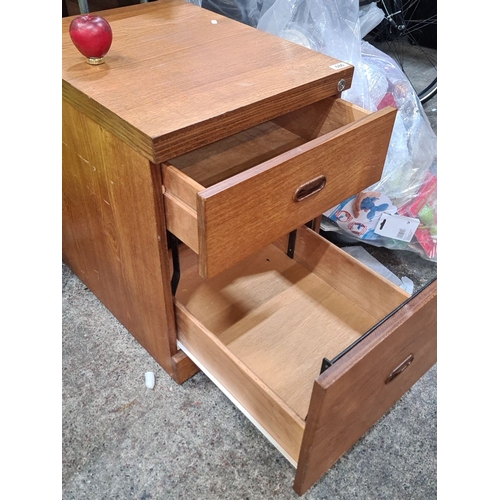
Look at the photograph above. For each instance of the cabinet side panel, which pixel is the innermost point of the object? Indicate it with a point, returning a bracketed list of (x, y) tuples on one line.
[(355, 392), (114, 233)]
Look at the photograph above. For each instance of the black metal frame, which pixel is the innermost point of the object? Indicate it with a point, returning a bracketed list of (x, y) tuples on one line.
[(173, 244)]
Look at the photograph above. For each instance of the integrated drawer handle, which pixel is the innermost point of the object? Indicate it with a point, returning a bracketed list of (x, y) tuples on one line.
[(309, 188), (400, 368)]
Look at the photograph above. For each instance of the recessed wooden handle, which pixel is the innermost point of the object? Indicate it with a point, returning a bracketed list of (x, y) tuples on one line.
[(309, 188), (400, 368)]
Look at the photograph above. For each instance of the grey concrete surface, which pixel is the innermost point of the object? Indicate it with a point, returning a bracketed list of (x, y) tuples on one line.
[(123, 441)]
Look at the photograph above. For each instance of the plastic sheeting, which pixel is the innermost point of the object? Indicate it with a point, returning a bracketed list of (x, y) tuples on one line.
[(408, 187)]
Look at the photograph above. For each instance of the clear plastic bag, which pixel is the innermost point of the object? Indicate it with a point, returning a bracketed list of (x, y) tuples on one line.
[(409, 178), (370, 16)]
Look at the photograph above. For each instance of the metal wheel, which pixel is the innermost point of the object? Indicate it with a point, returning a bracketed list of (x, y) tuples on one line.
[(409, 34)]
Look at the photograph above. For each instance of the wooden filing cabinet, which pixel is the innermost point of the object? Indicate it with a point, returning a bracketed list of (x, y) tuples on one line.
[(192, 161)]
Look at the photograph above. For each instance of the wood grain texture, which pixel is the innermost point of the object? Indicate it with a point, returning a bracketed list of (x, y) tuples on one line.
[(321, 117), (173, 81), (277, 317), (258, 400), (180, 184), (257, 205), (183, 367), (366, 288), (185, 177), (223, 159), (182, 221), (113, 231), (351, 396)]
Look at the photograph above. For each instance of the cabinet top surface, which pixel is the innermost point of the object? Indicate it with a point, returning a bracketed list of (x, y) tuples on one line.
[(173, 66)]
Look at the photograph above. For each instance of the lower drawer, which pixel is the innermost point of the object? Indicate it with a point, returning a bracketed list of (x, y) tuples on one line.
[(261, 330)]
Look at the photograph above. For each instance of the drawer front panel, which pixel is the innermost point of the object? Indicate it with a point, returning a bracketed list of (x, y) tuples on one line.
[(357, 390), (244, 213)]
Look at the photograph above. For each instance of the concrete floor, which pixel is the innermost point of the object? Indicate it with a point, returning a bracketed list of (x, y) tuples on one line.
[(124, 441), (121, 440)]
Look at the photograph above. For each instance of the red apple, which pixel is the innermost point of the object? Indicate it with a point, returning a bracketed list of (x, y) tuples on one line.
[(92, 36)]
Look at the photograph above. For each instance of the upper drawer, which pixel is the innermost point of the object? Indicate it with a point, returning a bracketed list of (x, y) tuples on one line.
[(233, 197)]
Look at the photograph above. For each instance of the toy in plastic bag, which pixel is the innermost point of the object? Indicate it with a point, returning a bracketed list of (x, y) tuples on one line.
[(409, 179), (404, 200)]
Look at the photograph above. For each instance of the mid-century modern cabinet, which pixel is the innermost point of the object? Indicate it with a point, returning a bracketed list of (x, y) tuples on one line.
[(194, 160)]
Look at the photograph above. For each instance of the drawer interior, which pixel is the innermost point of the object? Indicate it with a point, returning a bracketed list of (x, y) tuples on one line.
[(277, 318), (237, 153)]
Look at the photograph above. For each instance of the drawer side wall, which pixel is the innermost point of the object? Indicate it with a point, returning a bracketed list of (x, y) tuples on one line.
[(262, 404)]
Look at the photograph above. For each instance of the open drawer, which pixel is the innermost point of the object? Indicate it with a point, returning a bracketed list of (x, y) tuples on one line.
[(237, 195), (262, 329)]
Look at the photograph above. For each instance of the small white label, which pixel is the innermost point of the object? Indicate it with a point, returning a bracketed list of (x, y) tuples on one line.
[(213, 21), (339, 65), (398, 227)]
